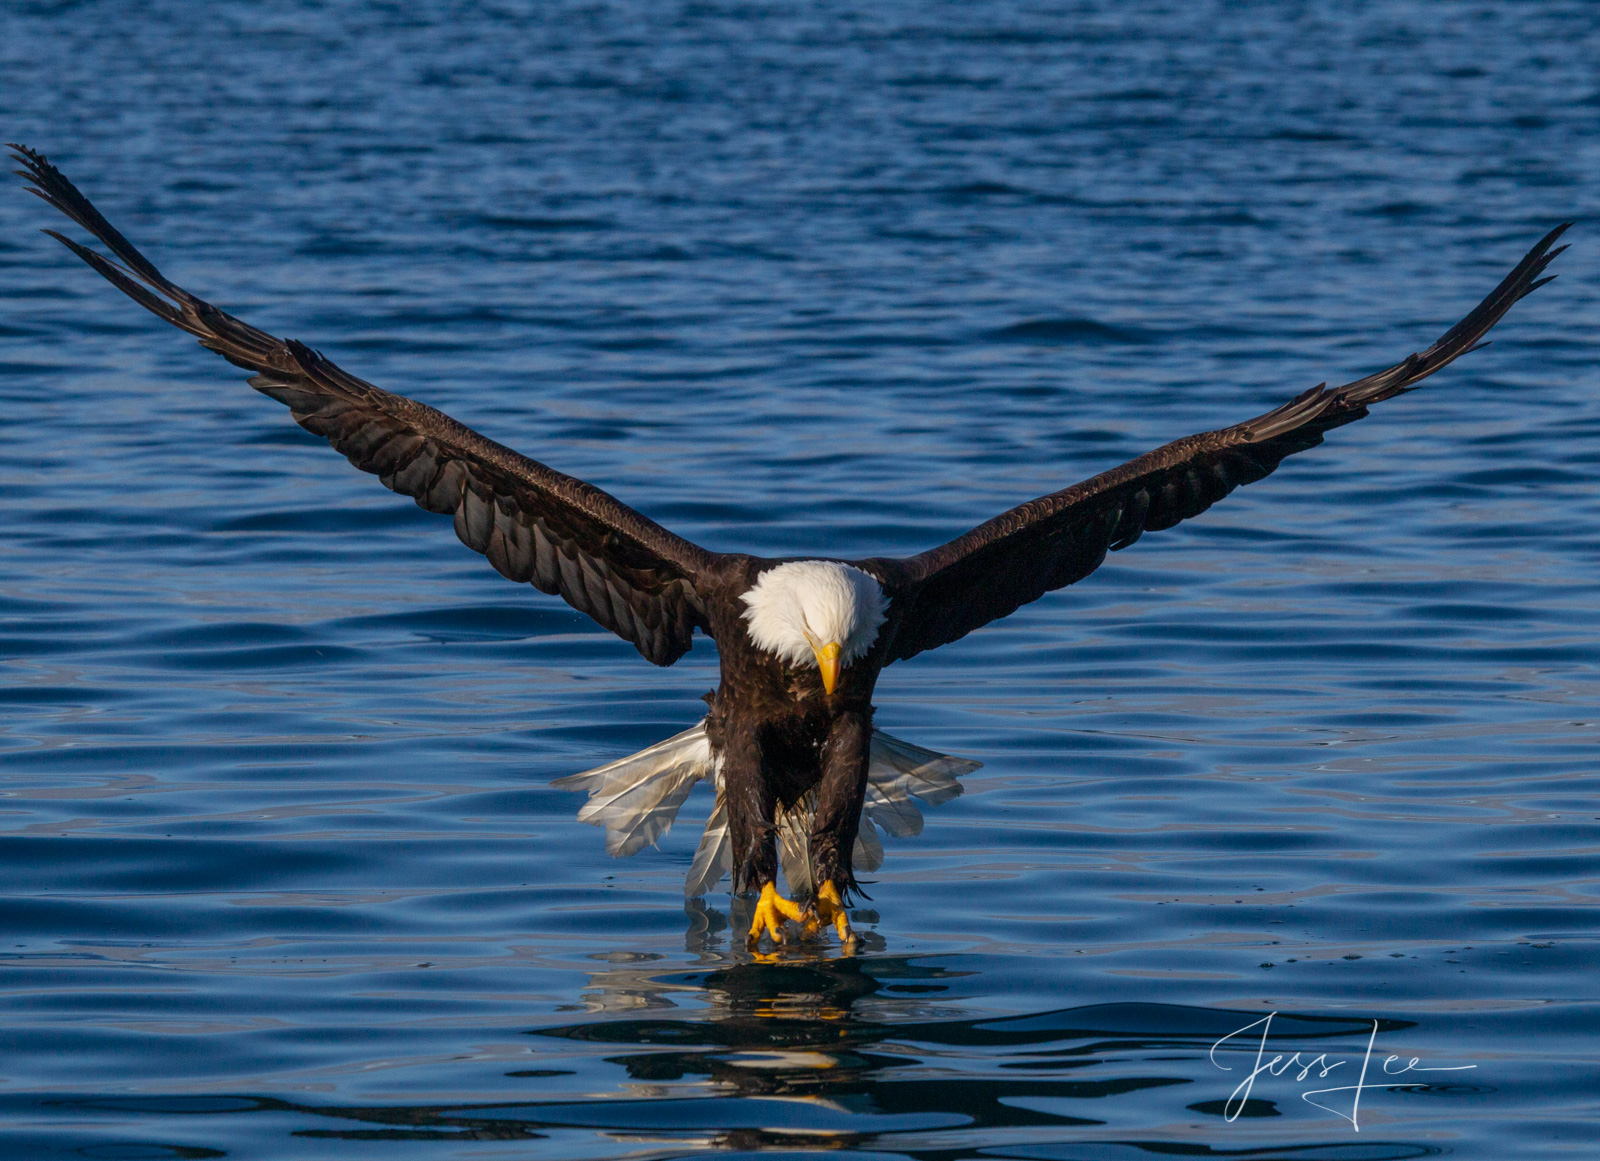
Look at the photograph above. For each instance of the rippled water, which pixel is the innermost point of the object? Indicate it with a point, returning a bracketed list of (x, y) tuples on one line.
[(283, 875)]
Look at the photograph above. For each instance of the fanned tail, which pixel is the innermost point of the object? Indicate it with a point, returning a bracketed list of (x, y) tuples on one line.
[(637, 799)]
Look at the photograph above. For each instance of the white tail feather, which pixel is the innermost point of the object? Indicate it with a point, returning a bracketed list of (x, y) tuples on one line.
[(714, 857), (794, 845), (637, 798), (867, 854)]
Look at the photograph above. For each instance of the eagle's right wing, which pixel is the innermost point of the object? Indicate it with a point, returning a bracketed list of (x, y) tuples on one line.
[(534, 524)]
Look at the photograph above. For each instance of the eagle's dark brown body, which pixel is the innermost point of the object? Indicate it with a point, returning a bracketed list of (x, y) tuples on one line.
[(778, 733)]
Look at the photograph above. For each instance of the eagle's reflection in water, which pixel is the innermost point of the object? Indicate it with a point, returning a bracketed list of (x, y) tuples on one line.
[(790, 1027), (823, 1051)]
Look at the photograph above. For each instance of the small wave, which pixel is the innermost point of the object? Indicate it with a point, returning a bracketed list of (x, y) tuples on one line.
[(1084, 331), (541, 224)]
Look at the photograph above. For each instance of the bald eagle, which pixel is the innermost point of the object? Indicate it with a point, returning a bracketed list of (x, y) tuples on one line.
[(788, 742)]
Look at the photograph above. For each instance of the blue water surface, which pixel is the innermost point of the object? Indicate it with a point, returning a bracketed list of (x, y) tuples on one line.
[(282, 872)]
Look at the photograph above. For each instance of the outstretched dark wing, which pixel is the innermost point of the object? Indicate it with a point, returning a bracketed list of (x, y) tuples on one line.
[(534, 524), (1051, 542)]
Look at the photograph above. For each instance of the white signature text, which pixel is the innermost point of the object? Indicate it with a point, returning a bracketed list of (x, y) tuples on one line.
[(1319, 1065)]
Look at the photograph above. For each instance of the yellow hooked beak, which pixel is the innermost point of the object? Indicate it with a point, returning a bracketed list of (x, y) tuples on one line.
[(828, 663)]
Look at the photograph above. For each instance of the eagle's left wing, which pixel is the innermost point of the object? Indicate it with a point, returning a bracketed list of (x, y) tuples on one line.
[(993, 570)]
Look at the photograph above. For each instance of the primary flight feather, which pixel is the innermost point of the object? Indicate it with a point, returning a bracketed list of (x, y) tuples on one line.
[(801, 776)]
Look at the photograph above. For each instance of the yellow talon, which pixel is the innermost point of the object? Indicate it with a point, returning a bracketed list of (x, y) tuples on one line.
[(829, 908), (771, 910)]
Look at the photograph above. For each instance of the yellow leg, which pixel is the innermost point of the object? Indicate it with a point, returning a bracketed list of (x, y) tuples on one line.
[(829, 908), (771, 910)]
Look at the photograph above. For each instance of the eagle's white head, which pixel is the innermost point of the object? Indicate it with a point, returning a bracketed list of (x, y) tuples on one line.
[(815, 612)]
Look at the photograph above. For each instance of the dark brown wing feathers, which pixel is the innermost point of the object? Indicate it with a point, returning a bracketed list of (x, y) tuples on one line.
[(1050, 542), (534, 524), (634, 577)]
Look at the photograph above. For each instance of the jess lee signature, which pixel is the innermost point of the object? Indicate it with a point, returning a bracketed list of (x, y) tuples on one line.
[(1322, 1067)]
